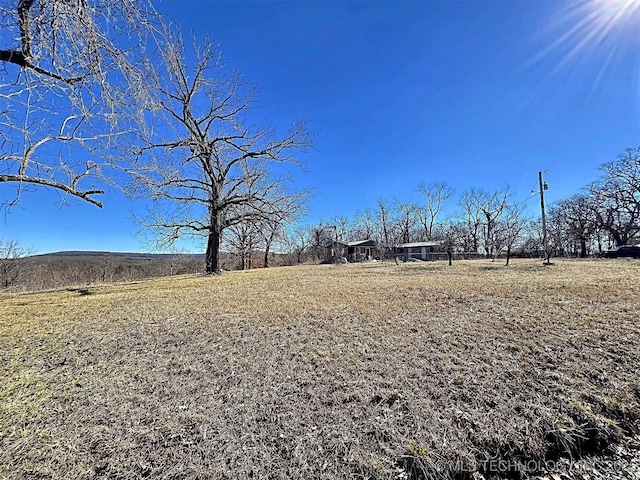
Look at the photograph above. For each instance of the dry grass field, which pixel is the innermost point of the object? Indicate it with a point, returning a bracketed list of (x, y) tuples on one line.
[(357, 371)]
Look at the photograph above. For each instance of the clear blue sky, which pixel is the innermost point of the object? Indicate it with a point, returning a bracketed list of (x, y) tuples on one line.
[(478, 93)]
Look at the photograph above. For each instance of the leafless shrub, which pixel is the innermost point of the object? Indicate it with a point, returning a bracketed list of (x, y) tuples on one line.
[(12, 262)]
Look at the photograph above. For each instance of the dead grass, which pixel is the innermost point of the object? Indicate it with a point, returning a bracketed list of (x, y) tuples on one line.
[(358, 371)]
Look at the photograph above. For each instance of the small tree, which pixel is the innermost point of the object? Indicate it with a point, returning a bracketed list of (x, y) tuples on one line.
[(12, 262), (450, 234), (178, 261), (511, 228), (271, 230), (297, 242), (321, 236), (243, 238), (556, 237), (386, 229), (492, 207)]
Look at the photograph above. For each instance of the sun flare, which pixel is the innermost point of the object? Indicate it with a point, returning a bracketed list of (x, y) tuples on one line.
[(606, 32), (613, 17), (595, 23)]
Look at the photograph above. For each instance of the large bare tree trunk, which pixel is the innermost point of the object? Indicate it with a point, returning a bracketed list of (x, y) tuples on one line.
[(583, 248), (267, 248), (212, 257), (506, 264)]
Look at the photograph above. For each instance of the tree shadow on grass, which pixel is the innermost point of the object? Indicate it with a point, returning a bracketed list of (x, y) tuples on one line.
[(81, 291)]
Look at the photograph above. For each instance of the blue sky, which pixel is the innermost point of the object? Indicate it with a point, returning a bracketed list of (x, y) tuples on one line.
[(478, 94)]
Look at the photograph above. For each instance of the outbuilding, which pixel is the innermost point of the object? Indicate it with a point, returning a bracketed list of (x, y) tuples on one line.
[(420, 250)]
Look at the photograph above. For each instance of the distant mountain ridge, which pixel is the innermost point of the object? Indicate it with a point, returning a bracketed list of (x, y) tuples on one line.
[(130, 255)]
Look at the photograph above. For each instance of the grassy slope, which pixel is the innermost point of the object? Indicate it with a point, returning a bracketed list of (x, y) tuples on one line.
[(372, 370)]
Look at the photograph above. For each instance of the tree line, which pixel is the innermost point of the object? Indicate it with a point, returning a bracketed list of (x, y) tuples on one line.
[(604, 215), (488, 222)]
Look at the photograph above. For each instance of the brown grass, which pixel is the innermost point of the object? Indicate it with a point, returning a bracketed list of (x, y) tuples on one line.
[(357, 371)]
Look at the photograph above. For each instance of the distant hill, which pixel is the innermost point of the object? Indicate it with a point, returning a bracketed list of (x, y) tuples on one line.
[(119, 255), (74, 267)]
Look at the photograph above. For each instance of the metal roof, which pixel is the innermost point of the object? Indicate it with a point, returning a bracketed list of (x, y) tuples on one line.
[(362, 243), (419, 244)]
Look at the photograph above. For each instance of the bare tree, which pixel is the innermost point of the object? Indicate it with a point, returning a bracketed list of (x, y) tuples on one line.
[(321, 235), (70, 80), (436, 194), (578, 214), (556, 236), (617, 198), (12, 262), (482, 210), (271, 230), (451, 235), (385, 225), (73, 40), (341, 226), (297, 242), (492, 206), (615, 211), (471, 203), (626, 170), (243, 238), (106, 266), (405, 219), (203, 166), (255, 234), (510, 228), (364, 226), (178, 260)]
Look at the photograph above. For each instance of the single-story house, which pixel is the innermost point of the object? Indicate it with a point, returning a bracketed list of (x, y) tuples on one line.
[(357, 251), (420, 250)]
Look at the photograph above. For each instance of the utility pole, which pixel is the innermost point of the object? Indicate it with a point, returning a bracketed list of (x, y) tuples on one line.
[(334, 243), (543, 187)]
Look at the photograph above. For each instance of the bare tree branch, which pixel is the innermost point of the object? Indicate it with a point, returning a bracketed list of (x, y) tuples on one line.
[(436, 194), (71, 83)]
